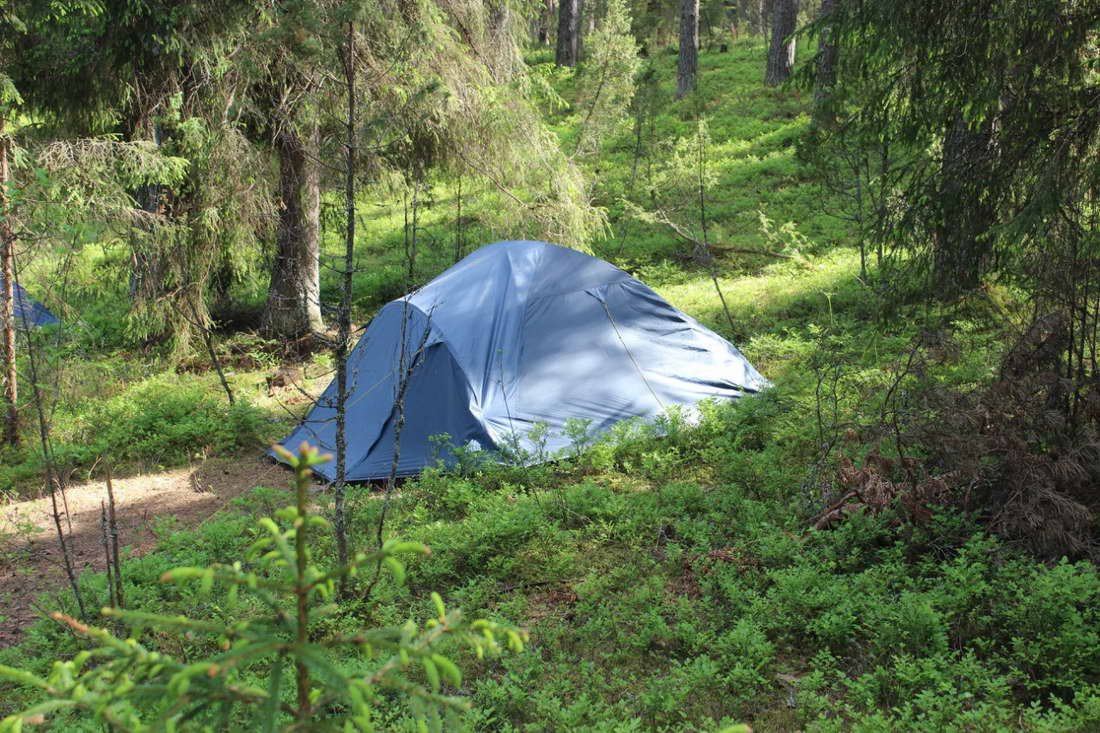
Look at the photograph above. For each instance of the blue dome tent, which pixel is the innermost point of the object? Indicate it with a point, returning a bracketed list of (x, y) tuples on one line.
[(28, 312), (516, 335)]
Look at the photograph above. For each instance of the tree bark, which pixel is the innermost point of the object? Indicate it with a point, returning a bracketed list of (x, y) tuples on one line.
[(145, 270), (589, 10), (961, 242), (568, 18), (7, 300), (782, 49), (689, 47), (825, 77), (293, 299), (763, 26), (546, 18), (343, 340)]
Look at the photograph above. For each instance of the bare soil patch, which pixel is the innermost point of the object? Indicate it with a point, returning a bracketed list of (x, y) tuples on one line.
[(30, 558)]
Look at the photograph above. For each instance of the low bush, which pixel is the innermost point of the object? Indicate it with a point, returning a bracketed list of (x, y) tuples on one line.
[(160, 421)]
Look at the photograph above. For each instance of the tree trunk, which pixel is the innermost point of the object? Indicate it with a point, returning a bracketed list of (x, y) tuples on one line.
[(293, 299), (499, 20), (689, 47), (782, 48), (7, 300), (145, 271), (568, 18), (653, 31), (546, 18), (589, 10), (343, 340), (825, 78), (459, 225), (961, 242), (763, 26)]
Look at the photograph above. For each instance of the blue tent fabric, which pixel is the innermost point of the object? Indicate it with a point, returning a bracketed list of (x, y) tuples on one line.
[(28, 312), (516, 335)]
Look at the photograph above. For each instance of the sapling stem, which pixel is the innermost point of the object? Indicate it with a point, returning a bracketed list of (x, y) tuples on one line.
[(301, 586), (111, 601), (112, 524)]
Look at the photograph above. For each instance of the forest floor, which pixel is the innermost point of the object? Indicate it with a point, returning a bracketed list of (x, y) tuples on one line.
[(670, 576), (146, 505)]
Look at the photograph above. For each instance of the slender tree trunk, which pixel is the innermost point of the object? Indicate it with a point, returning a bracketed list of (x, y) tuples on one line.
[(499, 20), (301, 593), (546, 19), (343, 339), (112, 525), (145, 280), (208, 340), (961, 242), (689, 47), (588, 11), (459, 225), (54, 480), (656, 30), (705, 256), (568, 19), (825, 78), (106, 542), (293, 299), (412, 227), (782, 49), (763, 24), (7, 300)]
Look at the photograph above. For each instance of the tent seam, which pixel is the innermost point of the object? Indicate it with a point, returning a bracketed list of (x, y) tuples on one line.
[(626, 348)]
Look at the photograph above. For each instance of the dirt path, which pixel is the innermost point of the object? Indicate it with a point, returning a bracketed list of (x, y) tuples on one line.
[(30, 559)]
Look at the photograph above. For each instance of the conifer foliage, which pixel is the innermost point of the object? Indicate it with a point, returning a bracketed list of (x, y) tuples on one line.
[(127, 684)]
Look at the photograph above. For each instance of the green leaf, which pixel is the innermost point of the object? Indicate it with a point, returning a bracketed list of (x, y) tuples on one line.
[(396, 568), (400, 548), (450, 669), (23, 678), (290, 459), (432, 672), (176, 574), (270, 710)]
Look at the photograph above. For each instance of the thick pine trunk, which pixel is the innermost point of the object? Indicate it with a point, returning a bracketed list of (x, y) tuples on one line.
[(825, 77), (782, 48), (293, 299), (568, 19), (7, 301), (961, 242), (689, 47)]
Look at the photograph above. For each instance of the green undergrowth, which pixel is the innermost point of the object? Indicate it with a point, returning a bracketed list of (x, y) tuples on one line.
[(182, 409), (668, 582), (754, 130), (666, 574), (160, 421)]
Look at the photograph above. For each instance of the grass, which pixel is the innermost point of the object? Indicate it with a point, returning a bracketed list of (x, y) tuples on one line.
[(669, 582)]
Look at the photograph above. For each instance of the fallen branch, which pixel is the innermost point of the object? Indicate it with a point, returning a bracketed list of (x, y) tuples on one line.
[(659, 217)]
